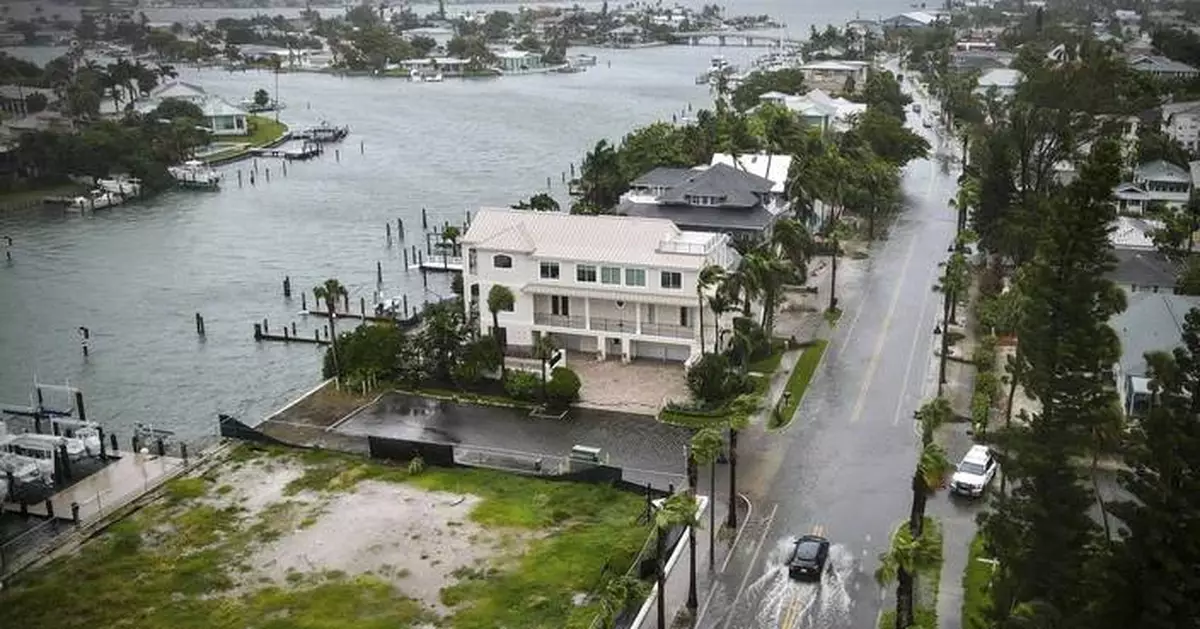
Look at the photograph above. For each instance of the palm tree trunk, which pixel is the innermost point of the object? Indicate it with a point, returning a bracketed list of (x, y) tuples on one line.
[(693, 600), (732, 520), (833, 277), (871, 224), (661, 576), (904, 599), (712, 515), (337, 368), (1100, 497), (700, 315), (1012, 393), (916, 517), (496, 337), (945, 340)]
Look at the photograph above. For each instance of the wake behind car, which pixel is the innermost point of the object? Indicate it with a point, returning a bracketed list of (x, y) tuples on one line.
[(808, 558), (977, 469)]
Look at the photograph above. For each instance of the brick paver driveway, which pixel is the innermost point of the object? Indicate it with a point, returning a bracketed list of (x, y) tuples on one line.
[(641, 387)]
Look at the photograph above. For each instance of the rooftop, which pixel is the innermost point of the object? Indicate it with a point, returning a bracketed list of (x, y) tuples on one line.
[(651, 242), (736, 188), (1003, 78), (1133, 233), (1152, 322), (1161, 170), (1159, 63), (771, 167), (1143, 268)]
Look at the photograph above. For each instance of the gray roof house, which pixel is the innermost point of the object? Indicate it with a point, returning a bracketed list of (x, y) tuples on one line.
[(1162, 67), (1151, 323), (1143, 272), (717, 198)]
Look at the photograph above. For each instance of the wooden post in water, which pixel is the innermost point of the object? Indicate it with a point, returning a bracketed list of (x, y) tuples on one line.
[(378, 272), (425, 278), (239, 178), (424, 220), (257, 336), (293, 328), (362, 307), (406, 260), (287, 286), (252, 177), (389, 233), (285, 332), (361, 148), (254, 165), (400, 228), (337, 155), (285, 168), (199, 324), (304, 301), (405, 299), (268, 171)]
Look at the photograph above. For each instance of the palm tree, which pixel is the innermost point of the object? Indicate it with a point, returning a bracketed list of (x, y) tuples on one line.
[(739, 416), (966, 199), (499, 298), (619, 593), (677, 510), (927, 478), (722, 300), (907, 556), (543, 350), (709, 276), (771, 271), (331, 291), (794, 244), (706, 447)]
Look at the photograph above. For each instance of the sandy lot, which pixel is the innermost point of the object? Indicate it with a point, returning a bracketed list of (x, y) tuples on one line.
[(413, 538)]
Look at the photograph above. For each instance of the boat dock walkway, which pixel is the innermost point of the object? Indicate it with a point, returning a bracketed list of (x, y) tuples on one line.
[(123, 479), (308, 151)]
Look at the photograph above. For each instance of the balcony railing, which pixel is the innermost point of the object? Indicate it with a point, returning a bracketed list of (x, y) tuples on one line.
[(559, 321), (614, 325), (666, 329)]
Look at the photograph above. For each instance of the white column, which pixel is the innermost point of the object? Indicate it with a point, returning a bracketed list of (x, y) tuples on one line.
[(587, 313), (626, 350), (637, 313)]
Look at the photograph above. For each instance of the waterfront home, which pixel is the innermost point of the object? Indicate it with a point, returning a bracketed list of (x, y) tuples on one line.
[(835, 75), (1140, 267), (1154, 182), (1150, 323), (221, 117), (718, 198), (1003, 80), (518, 61), (818, 108), (610, 286), (1161, 67), (448, 66)]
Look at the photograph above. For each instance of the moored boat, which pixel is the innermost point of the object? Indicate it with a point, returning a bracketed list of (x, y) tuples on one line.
[(195, 174)]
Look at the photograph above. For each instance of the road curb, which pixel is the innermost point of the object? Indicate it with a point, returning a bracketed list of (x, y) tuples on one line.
[(712, 588)]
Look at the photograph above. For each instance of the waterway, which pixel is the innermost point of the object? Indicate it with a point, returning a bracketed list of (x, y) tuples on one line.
[(135, 275)]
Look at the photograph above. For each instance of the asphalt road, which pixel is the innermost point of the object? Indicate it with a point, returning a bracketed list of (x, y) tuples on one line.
[(842, 468)]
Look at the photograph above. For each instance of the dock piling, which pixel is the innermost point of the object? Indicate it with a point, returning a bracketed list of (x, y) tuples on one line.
[(547, 183), (285, 169), (405, 299), (400, 228), (389, 233), (287, 286), (254, 165), (239, 178), (266, 326), (304, 301), (361, 148), (75, 513), (183, 452), (84, 336), (424, 278), (252, 177), (113, 440), (285, 332), (406, 259), (267, 170), (66, 462), (199, 324), (162, 447), (424, 219), (378, 272), (136, 443), (258, 332), (362, 307), (337, 155), (293, 328)]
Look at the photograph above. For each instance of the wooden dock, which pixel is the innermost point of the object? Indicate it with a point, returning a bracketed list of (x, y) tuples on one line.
[(306, 152), (438, 265), (260, 335), (359, 317)]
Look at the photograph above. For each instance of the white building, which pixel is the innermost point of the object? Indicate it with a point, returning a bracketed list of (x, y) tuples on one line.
[(818, 108), (1154, 182), (221, 117), (612, 286), (1004, 80), (1181, 121), (833, 75)]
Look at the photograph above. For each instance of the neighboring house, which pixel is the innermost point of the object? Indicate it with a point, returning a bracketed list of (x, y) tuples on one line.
[(773, 168), (1181, 121), (818, 108), (1163, 68), (1140, 268), (14, 98), (607, 285), (518, 61), (221, 117), (910, 20), (1154, 182), (1150, 323), (718, 198), (1003, 80), (831, 75), (983, 60)]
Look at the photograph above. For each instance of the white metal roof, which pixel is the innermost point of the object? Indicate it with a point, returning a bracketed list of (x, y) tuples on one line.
[(772, 167), (557, 235)]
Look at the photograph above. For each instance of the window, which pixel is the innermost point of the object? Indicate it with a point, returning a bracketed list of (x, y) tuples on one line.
[(635, 277), (585, 273), (501, 261), (549, 270), (610, 275), (671, 279), (560, 305), (472, 262), (683, 316)]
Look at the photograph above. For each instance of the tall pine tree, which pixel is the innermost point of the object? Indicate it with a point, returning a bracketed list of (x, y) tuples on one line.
[(1155, 570), (1044, 539)]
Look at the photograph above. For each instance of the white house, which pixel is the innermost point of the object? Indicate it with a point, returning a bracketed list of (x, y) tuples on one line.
[(1181, 121), (833, 75), (606, 285), (1003, 80), (1158, 181), (222, 118), (818, 108)]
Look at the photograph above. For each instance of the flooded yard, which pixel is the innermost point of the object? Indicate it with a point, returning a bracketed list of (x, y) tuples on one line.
[(275, 538)]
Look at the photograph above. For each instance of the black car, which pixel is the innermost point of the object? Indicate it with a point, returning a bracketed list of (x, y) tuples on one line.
[(808, 558)]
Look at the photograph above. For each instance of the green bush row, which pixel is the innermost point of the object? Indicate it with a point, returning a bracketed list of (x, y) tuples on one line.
[(562, 387)]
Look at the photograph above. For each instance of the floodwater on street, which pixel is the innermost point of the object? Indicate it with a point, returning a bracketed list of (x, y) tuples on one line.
[(136, 275)]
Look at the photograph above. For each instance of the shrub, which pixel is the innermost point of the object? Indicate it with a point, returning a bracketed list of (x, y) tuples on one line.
[(985, 354), (367, 349), (709, 379), (986, 387), (563, 387), (522, 385)]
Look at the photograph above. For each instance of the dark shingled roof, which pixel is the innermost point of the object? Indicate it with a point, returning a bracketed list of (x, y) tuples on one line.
[(695, 218), (1143, 268), (738, 188)]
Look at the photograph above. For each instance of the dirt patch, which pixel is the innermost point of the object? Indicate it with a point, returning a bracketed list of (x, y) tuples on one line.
[(322, 408)]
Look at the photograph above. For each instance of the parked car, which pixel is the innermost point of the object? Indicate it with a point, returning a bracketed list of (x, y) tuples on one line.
[(808, 558), (975, 472)]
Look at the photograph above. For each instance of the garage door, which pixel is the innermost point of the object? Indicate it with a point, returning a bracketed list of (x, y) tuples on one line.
[(660, 351), (575, 342)]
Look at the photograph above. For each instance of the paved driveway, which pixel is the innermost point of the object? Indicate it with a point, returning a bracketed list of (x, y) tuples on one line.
[(642, 386), (632, 442)]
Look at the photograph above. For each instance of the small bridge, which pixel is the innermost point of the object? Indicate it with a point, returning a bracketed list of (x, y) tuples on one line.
[(742, 39)]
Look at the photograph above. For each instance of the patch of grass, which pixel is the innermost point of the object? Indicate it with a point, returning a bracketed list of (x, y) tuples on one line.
[(769, 364), (264, 130), (977, 586), (832, 315), (169, 566), (797, 384), (181, 489)]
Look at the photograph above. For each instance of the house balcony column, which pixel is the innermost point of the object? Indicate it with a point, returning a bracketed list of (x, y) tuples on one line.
[(637, 314), (587, 313)]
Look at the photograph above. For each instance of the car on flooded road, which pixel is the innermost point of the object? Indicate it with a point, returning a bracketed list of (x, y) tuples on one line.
[(808, 558)]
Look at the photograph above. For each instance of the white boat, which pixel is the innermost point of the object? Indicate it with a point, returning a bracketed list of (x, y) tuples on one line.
[(23, 469), (96, 199), (322, 133), (75, 447), (40, 454), (90, 437), (124, 186), (433, 78), (195, 174)]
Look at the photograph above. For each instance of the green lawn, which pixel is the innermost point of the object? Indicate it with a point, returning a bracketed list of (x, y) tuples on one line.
[(976, 581), (797, 384), (264, 130), (173, 564), (925, 597), (769, 364)]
